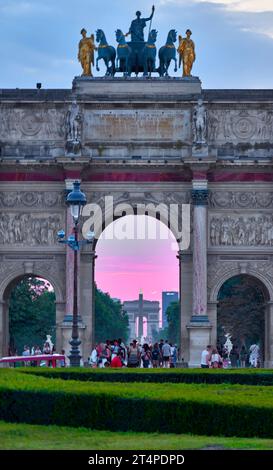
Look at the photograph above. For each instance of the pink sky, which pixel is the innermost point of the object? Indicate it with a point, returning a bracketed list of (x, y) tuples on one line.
[(123, 267)]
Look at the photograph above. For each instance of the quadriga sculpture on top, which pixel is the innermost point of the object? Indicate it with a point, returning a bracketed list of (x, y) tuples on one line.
[(137, 56)]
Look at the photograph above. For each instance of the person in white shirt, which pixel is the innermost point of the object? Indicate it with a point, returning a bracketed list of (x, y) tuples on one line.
[(166, 353), (205, 357), (94, 357)]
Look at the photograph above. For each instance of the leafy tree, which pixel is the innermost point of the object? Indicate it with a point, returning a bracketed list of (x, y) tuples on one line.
[(110, 320), (157, 335), (173, 317), (241, 311), (32, 313)]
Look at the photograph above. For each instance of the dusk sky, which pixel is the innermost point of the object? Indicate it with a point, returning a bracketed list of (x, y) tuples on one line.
[(234, 48), (39, 38), (123, 267)]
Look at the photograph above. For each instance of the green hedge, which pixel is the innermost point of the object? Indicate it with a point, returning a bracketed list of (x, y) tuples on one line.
[(209, 376), (229, 410)]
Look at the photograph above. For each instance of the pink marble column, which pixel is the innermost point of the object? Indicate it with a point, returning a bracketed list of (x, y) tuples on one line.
[(70, 258), (199, 198), (69, 266)]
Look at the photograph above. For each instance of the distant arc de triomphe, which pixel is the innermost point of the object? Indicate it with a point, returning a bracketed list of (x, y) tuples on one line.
[(137, 142)]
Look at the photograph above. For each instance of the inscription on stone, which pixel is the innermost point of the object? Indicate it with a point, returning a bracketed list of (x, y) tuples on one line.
[(137, 125)]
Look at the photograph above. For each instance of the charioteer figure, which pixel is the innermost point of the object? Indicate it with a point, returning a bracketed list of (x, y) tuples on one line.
[(137, 27)]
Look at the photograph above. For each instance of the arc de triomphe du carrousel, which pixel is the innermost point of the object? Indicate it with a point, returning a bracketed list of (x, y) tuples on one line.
[(143, 137)]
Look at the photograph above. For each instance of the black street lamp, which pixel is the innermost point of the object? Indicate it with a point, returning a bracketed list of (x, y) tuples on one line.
[(76, 200)]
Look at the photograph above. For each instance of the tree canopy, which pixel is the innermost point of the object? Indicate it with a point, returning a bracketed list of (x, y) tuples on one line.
[(110, 320), (241, 311), (32, 313)]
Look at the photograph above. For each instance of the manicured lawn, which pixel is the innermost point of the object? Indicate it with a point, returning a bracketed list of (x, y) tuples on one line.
[(34, 437)]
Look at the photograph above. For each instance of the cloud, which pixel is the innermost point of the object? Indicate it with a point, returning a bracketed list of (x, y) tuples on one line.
[(255, 6), (257, 30), (245, 5), (228, 36)]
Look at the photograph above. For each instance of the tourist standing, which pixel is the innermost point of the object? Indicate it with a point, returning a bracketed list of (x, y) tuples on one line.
[(46, 348), (205, 357), (115, 349), (215, 359), (161, 343), (123, 350), (234, 357), (26, 352), (93, 358), (254, 355), (133, 355), (243, 356), (155, 355), (173, 358), (116, 362), (146, 356), (166, 352)]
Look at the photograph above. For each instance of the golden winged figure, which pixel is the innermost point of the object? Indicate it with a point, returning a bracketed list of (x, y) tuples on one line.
[(186, 50), (86, 53)]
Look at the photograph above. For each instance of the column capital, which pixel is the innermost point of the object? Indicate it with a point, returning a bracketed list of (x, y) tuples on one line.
[(200, 197), (184, 256)]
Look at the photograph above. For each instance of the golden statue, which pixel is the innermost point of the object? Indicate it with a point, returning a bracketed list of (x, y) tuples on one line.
[(86, 52), (186, 50)]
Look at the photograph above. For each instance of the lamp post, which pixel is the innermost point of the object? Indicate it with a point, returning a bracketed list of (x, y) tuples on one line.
[(76, 200)]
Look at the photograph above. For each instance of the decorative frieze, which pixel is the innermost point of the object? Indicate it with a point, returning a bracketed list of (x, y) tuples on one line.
[(229, 125), (250, 230), (35, 199), (30, 123), (241, 199), (29, 229)]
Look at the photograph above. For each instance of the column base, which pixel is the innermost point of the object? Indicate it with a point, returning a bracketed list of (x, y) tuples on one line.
[(66, 334), (199, 337)]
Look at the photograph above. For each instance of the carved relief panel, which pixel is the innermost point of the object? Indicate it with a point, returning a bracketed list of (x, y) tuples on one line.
[(25, 228), (232, 230), (9, 199), (226, 125), (31, 218), (31, 123), (241, 199)]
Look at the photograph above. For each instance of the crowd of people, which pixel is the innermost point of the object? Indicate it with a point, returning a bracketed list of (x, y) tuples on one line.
[(222, 358), (116, 354), (164, 354)]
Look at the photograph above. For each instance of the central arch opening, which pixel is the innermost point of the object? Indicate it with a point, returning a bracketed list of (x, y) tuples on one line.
[(241, 313), (136, 263)]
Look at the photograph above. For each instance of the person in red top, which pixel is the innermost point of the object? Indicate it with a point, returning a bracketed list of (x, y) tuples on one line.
[(116, 362)]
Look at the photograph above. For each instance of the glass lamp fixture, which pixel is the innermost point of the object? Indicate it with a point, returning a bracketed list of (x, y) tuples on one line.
[(76, 199)]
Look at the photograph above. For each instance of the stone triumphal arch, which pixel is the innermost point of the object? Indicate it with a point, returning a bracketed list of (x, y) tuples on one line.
[(141, 141)]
